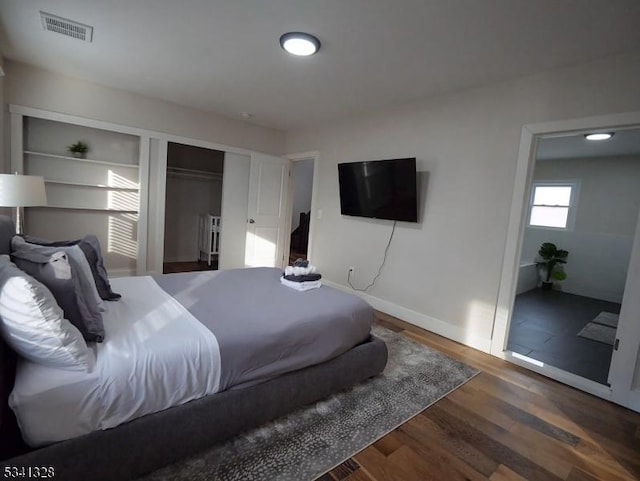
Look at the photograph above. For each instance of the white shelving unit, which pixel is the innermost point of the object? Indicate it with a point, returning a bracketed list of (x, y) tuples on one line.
[(80, 159), (98, 195), (209, 236), (93, 186)]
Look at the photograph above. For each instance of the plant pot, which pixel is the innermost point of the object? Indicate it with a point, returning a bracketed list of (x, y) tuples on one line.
[(78, 155), (547, 286)]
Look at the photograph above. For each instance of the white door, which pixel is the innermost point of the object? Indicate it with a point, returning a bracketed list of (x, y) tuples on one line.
[(624, 373), (235, 202), (266, 216)]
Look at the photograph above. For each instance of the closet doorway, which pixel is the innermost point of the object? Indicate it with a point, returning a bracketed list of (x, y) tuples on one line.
[(302, 186), (193, 206)]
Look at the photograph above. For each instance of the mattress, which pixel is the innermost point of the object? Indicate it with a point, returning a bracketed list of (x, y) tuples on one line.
[(180, 337)]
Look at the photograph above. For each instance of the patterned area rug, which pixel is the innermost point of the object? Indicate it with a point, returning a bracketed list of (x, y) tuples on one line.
[(598, 332), (602, 328), (313, 440), (607, 319)]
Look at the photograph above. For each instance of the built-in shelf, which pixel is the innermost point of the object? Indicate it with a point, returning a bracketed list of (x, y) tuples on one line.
[(78, 159), (91, 186), (95, 209)]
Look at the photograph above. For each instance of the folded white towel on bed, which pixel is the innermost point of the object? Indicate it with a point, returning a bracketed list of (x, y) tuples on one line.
[(301, 286), (299, 271)]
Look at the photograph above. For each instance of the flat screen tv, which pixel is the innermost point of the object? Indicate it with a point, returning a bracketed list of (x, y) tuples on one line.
[(380, 189)]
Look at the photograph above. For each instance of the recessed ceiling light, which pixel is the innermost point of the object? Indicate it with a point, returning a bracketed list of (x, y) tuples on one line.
[(599, 136), (299, 43)]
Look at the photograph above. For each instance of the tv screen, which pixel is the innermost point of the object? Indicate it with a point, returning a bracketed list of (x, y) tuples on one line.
[(380, 189)]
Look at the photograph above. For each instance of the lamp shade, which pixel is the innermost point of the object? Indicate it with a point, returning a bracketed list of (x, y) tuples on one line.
[(22, 190)]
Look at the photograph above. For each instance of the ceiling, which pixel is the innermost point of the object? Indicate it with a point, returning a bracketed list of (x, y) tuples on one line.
[(623, 143), (224, 56)]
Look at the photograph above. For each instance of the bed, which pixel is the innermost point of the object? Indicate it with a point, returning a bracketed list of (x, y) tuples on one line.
[(239, 350)]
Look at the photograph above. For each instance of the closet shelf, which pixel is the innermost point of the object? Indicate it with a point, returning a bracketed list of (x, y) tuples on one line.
[(194, 172), (77, 159), (91, 186), (93, 209)]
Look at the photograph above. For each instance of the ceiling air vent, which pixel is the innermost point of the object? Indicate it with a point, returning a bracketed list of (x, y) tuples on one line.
[(64, 26)]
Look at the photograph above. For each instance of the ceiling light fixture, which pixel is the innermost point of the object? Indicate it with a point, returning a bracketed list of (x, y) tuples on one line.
[(300, 43), (599, 136)]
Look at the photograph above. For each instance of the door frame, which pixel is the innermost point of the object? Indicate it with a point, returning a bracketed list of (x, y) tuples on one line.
[(155, 257), (530, 135), (258, 162), (315, 156)]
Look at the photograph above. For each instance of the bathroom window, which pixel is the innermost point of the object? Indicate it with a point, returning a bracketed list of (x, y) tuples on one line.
[(553, 205)]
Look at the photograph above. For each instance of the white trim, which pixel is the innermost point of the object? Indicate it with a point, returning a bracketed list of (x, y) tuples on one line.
[(515, 233), (565, 377), (143, 205), (315, 156), (445, 329), (513, 246), (161, 193)]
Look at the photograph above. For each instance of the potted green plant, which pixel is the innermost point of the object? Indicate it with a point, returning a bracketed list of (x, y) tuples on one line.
[(550, 267), (79, 149)]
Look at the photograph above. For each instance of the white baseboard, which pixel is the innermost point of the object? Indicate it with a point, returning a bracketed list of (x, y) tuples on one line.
[(634, 401), (445, 329)]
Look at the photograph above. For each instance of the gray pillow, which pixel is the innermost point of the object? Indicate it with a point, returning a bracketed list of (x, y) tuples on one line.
[(91, 248), (58, 272), (80, 264)]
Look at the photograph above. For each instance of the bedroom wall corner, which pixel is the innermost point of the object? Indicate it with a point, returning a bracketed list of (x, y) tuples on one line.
[(437, 326), (34, 87), (448, 266)]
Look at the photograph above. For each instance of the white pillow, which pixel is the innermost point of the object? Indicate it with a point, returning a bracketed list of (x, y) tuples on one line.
[(32, 323)]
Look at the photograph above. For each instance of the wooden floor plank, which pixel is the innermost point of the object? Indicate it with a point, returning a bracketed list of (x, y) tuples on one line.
[(506, 424), (422, 431), (505, 474)]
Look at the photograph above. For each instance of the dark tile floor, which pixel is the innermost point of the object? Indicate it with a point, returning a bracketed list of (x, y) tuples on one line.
[(545, 326)]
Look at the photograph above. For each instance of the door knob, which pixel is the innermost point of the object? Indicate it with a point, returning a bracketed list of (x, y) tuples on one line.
[(251, 221)]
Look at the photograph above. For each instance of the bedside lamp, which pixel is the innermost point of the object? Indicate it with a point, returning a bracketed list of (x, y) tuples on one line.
[(21, 191)]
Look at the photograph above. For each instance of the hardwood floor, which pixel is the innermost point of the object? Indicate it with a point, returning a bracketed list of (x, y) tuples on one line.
[(507, 423)]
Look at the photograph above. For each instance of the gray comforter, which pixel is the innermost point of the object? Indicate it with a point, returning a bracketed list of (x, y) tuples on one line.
[(265, 329)]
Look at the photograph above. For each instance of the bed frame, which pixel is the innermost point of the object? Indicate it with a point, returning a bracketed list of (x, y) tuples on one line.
[(150, 442)]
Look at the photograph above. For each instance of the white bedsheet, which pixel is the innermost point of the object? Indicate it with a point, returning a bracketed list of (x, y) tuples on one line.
[(155, 355)]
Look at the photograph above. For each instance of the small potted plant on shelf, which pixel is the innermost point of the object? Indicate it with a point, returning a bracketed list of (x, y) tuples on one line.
[(79, 149), (550, 267)]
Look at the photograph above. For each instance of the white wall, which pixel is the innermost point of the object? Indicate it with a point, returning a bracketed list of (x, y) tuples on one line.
[(444, 272), (33, 87), (302, 175), (600, 243)]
